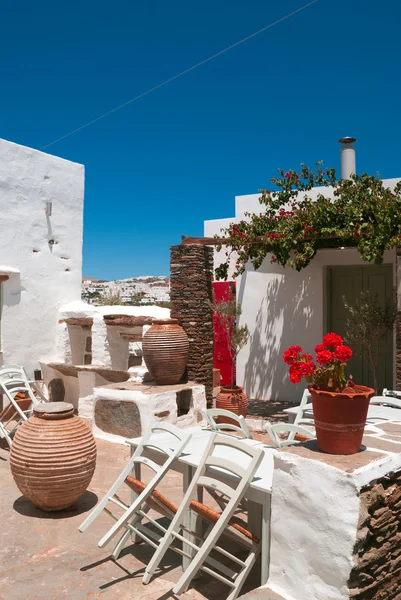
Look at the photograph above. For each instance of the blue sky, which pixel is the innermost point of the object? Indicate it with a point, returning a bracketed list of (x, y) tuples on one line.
[(161, 166)]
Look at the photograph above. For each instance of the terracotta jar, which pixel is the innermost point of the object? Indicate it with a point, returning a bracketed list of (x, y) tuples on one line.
[(165, 351), (233, 399), (340, 418), (53, 456)]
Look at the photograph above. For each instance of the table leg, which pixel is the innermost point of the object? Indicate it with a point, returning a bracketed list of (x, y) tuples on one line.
[(254, 517), (137, 475), (265, 549)]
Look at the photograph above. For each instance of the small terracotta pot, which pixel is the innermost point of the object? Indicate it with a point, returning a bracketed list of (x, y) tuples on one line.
[(53, 456), (233, 399), (165, 351), (340, 418)]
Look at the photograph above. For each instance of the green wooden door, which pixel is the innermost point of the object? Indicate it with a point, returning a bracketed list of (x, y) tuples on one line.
[(350, 282)]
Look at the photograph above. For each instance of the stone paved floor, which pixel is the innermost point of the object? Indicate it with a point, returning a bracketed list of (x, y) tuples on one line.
[(44, 557)]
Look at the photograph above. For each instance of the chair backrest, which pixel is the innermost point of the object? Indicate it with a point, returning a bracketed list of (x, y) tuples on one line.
[(227, 466), (391, 393), (214, 413), (10, 411), (276, 428), (13, 379), (176, 439)]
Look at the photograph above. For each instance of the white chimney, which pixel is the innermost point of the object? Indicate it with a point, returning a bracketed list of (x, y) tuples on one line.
[(347, 157)]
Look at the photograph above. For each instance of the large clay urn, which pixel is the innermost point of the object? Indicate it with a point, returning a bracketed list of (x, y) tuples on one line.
[(53, 456), (165, 350)]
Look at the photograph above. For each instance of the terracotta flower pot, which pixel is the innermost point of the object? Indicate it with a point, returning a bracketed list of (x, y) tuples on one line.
[(340, 418), (53, 456), (233, 399), (165, 351)]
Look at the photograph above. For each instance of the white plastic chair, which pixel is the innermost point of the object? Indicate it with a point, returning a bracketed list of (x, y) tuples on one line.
[(293, 430), (389, 398), (146, 495), (13, 381), (230, 478), (213, 414), (296, 415)]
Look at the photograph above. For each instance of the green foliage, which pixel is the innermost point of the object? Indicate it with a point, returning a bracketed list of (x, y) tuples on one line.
[(109, 299), (228, 314), (369, 323), (294, 224)]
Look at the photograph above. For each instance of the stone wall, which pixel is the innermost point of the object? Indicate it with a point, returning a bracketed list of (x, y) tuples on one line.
[(191, 273), (398, 322), (376, 574)]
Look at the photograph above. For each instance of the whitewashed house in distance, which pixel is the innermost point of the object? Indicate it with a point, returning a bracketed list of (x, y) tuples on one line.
[(284, 307), (41, 204)]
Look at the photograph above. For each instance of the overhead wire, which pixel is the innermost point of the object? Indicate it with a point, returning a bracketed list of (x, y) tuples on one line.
[(167, 81)]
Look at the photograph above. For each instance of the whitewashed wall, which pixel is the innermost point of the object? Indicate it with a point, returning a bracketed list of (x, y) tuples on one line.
[(281, 307), (50, 274)]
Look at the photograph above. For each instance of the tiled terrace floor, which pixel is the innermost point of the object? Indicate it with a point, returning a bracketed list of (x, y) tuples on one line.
[(44, 557)]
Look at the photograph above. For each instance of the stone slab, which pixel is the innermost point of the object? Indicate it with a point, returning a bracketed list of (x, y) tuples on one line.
[(150, 388), (345, 463), (381, 443), (113, 375), (393, 428), (127, 320)]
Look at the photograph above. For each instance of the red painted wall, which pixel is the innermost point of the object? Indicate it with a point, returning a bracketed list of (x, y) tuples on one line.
[(223, 291)]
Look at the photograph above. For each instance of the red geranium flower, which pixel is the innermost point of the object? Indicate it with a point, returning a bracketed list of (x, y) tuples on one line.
[(292, 354), (295, 373), (307, 368), (332, 340), (320, 348), (343, 353), (324, 357)]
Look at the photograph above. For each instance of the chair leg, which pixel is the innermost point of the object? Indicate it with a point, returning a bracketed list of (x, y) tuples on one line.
[(127, 534), (240, 580), (120, 544)]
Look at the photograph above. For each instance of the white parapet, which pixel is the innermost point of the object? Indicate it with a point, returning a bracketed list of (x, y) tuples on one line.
[(126, 410)]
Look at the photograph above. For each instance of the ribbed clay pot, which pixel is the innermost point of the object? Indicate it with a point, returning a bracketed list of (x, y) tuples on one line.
[(340, 418), (53, 456), (233, 399), (165, 351)]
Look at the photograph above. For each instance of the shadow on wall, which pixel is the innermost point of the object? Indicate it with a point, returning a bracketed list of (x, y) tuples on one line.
[(284, 316)]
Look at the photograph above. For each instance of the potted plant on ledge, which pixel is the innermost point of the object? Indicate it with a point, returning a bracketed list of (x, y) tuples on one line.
[(340, 407), (232, 397)]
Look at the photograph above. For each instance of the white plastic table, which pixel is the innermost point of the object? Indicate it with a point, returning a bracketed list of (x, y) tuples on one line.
[(258, 493)]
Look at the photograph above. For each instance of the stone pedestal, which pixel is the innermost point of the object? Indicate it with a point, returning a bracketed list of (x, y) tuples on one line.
[(335, 521), (126, 410), (191, 276)]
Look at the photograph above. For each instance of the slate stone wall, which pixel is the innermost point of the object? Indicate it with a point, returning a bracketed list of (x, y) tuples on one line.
[(376, 574), (398, 322), (191, 277)]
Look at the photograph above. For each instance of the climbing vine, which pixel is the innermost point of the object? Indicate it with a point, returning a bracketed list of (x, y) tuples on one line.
[(312, 209)]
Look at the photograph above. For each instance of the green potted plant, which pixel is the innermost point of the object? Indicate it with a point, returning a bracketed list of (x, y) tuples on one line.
[(232, 397), (340, 407), (368, 325)]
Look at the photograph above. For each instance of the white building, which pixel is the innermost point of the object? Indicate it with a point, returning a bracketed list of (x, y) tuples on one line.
[(41, 204), (283, 307)]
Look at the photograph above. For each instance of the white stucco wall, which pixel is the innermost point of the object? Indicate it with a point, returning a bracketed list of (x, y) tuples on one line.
[(281, 307), (313, 529), (50, 274)]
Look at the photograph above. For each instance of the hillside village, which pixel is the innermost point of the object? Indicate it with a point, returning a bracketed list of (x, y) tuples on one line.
[(134, 291)]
